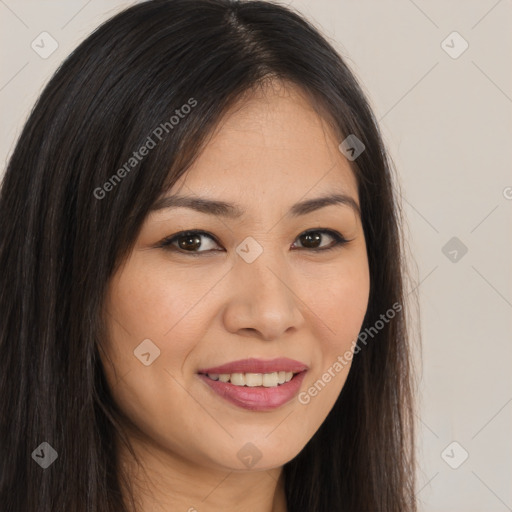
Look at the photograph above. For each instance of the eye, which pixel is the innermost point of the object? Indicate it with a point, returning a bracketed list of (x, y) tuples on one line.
[(310, 239), (190, 241)]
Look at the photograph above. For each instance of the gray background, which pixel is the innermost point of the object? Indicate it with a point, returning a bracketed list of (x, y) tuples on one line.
[(448, 125)]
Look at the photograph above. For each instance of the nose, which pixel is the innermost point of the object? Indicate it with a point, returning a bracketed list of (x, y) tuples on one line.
[(264, 299)]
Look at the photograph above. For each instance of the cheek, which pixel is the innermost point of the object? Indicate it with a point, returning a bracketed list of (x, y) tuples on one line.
[(150, 302), (146, 304), (345, 308), (340, 300), (339, 309), (147, 301), (337, 339)]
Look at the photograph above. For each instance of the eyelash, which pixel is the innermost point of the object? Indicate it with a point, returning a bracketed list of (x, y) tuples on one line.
[(167, 242)]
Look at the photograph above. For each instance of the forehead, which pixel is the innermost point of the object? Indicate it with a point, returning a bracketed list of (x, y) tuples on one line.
[(271, 144)]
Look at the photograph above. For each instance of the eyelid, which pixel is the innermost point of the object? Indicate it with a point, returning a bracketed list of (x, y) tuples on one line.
[(167, 243), (339, 239)]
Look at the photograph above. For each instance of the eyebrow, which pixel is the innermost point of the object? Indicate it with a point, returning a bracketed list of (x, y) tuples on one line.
[(233, 211)]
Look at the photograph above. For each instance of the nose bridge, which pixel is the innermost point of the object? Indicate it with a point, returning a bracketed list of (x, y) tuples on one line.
[(263, 265), (264, 299), (265, 278)]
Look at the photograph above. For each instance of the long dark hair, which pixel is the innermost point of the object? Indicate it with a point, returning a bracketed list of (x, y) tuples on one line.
[(67, 222)]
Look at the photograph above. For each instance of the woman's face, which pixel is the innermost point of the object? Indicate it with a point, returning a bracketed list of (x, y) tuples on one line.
[(256, 298)]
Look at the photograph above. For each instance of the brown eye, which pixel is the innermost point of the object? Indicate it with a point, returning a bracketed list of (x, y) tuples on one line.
[(312, 239), (189, 241)]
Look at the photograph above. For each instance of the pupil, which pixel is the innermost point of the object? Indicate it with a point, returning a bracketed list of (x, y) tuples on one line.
[(315, 237), (187, 242)]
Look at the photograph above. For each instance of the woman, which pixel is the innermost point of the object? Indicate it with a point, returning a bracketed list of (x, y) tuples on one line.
[(201, 297)]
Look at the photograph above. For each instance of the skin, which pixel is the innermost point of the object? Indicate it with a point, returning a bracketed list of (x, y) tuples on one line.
[(268, 153)]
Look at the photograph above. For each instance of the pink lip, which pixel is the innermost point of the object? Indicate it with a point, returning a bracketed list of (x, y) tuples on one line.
[(281, 364), (256, 398)]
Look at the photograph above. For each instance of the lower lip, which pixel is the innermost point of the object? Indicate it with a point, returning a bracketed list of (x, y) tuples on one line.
[(257, 398)]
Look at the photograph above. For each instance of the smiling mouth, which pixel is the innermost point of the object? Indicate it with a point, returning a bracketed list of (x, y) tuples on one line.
[(255, 391), (255, 372), (267, 380)]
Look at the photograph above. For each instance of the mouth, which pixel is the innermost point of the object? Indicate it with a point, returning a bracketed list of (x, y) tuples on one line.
[(255, 384)]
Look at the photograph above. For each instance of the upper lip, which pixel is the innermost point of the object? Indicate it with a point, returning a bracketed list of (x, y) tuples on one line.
[(253, 365)]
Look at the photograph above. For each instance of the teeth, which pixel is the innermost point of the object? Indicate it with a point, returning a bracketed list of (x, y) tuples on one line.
[(253, 379), (267, 380), (238, 379), (270, 379)]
